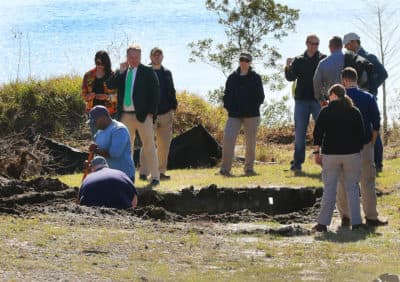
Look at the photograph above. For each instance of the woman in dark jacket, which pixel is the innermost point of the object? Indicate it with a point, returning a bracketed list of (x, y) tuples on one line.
[(338, 140), (244, 94)]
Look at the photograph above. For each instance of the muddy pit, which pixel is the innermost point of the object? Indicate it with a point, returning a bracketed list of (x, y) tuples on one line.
[(284, 205)]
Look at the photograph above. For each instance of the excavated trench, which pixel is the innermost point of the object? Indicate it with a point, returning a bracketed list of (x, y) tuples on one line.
[(214, 200), (285, 205)]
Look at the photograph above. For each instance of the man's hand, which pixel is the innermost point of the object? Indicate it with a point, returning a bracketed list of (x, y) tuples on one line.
[(289, 62), (86, 165), (93, 147), (123, 66), (323, 103)]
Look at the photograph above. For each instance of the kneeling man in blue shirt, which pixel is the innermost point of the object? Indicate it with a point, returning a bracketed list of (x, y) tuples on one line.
[(107, 187)]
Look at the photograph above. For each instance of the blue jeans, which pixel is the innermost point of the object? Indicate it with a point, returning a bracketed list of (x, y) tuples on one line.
[(378, 152), (302, 111)]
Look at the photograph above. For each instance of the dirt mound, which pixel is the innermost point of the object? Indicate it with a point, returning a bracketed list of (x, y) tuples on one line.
[(227, 205)]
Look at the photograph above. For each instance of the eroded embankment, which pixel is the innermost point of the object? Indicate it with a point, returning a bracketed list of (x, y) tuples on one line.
[(285, 205)]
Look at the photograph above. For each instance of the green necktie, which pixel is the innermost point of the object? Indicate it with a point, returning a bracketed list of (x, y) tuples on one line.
[(128, 88)]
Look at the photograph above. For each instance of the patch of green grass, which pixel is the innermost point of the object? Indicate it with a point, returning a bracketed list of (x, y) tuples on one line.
[(275, 175), (389, 178)]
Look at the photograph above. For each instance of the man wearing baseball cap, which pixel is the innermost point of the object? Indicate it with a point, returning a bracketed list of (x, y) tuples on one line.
[(107, 187), (112, 141), (352, 42), (243, 96)]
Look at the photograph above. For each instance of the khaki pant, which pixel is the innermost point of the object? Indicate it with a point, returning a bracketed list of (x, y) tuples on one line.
[(367, 181), (163, 130), (146, 133), (333, 166), (232, 127)]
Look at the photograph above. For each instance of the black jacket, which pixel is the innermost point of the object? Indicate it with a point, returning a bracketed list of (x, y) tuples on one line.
[(243, 94), (303, 69), (363, 67), (339, 130), (168, 101), (146, 92)]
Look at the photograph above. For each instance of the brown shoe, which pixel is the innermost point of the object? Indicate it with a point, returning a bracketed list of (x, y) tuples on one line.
[(163, 176), (319, 228), (376, 222)]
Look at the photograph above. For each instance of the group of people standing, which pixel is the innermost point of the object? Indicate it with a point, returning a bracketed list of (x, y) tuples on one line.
[(340, 92), (136, 99), (143, 99)]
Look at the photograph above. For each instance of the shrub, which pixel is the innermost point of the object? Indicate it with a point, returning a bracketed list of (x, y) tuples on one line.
[(193, 110), (51, 106)]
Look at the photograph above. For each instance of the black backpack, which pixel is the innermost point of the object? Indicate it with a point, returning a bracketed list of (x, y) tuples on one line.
[(363, 67)]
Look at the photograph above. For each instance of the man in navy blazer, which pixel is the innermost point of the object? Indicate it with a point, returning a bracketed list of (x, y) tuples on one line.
[(137, 105)]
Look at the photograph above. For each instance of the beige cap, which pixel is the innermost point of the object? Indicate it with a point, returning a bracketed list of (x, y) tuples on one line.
[(349, 37)]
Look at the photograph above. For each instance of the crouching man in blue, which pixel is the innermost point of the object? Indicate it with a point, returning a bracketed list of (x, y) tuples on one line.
[(112, 141), (107, 187)]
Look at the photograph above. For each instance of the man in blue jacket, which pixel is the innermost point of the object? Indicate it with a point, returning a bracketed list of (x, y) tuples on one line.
[(352, 42), (366, 103), (244, 94)]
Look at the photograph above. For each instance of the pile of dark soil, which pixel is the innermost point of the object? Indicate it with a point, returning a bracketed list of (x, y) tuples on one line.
[(45, 195)]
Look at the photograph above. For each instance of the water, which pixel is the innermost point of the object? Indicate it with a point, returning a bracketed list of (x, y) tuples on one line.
[(47, 38)]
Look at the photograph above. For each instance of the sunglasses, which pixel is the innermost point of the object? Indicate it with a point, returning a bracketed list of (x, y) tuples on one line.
[(244, 60), (313, 43), (98, 63)]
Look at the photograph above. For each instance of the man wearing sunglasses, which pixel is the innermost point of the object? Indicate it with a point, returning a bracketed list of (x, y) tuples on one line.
[(244, 94), (301, 69)]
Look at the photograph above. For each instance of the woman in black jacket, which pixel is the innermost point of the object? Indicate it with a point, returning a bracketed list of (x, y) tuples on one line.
[(244, 94), (338, 140)]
